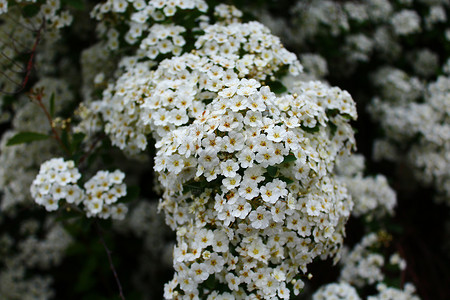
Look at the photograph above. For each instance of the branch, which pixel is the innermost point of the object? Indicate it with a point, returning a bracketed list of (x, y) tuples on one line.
[(111, 265)]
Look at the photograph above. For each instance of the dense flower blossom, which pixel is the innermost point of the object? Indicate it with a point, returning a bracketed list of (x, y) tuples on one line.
[(143, 101), (251, 167)]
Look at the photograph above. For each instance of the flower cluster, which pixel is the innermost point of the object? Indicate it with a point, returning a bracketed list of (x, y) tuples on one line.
[(363, 266), (336, 291), (143, 101), (372, 196), (163, 39), (390, 293), (57, 180), (40, 249), (138, 17), (263, 54), (49, 11), (423, 127), (251, 177)]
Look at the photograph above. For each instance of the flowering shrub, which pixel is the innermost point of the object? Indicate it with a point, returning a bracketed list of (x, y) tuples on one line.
[(177, 149)]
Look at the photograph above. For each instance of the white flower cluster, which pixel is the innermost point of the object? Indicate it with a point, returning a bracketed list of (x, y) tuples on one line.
[(397, 86), (406, 22), (249, 181), (49, 10), (364, 266), (163, 39), (17, 171), (370, 29), (138, 16), (19, 279), (424, 128), (336, 291), (18, 163), (264, 53), (47, 252), (390, 293), (57, 180), (247, 175), (318, 15), (372, 196), (144, 101), (227, 13)]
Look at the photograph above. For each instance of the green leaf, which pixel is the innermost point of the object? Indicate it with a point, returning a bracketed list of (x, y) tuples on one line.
[(210, 283), (29, 11), (272, 171), (277, 87), (332, 127), (52, 105), (289, 158), (311, 130), (347, 117), (194, 187), (285, 179), (332, 112), (26, 137)]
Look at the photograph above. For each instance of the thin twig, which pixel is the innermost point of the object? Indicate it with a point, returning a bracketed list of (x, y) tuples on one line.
[(111, 265), (38, 98), (13, 62), (89, 151), (30, 62), (33, 52)]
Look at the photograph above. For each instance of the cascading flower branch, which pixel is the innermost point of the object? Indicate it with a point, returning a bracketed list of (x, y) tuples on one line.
[(248, 187)]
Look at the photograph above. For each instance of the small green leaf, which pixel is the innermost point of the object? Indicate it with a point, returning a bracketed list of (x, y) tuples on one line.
[(289, 158), (26, 137), (311, 130), (195, 188), (52, 105), (285, 179), (272, 171), (277, 87), (29, 11), (210, 283), (347, 117), (332, 127), (332, 112)]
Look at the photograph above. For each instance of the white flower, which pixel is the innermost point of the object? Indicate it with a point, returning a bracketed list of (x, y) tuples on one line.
[(259, 218), (229, 168)]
